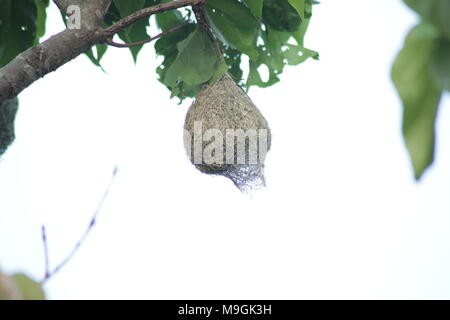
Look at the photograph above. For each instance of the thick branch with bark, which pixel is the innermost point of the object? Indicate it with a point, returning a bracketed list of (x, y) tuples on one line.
[(51, 54), (42, 59)]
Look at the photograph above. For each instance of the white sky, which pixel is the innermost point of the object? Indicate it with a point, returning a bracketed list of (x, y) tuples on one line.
[(341, 216)]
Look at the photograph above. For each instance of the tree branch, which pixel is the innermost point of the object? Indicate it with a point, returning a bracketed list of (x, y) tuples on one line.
[(42, 59), (39, 60), (144, 13), (46, 57), (203, 23), (134, 44)]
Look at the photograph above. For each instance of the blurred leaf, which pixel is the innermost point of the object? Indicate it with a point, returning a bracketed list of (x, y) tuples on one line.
[(440, 64), (436, 12), (8, 288), (30, 289), (420, 94), (20, 287), (17, 28)]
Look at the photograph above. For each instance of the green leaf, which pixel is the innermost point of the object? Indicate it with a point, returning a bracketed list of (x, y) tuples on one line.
[(299, 5), (235, 25), (275, 53), (220, 68), (299, 35), (436, 12), (20, 286), (100, 52), (167, 47), (127, 7), (298, 54), (255, 7), (168, 20), (17, 28), (261, 29), (138, 30), (134, 33), (280, 15), (41, 6), (440, 64), (420, 94), (254, 78), (233, 61), (112, 16), (30, 289), (195, 62), (8, 289)]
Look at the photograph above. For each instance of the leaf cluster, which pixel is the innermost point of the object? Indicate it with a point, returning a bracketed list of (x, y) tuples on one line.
[(269, 33)]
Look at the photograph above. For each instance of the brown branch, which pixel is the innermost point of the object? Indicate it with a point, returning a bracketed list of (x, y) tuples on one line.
[(36, 62), (49, 274), (203, 23), (139, 43), (43, 58), (147, 12)]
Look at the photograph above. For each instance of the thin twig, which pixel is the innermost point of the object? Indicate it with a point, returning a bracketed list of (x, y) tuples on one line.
[(146, 12), (139, 43), (203, 23), (47, 263), (50, 274)]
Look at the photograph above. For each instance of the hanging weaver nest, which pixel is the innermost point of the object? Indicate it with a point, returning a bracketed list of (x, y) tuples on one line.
[(8, 112), (225, 134)]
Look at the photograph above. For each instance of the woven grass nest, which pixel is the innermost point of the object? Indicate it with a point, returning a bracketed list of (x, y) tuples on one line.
[(225, 134)]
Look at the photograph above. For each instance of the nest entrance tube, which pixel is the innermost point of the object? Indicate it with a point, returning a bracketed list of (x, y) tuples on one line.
[(225, 134)]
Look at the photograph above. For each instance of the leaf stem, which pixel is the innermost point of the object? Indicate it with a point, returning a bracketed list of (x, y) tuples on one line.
[(203, 24), (144, 13)]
